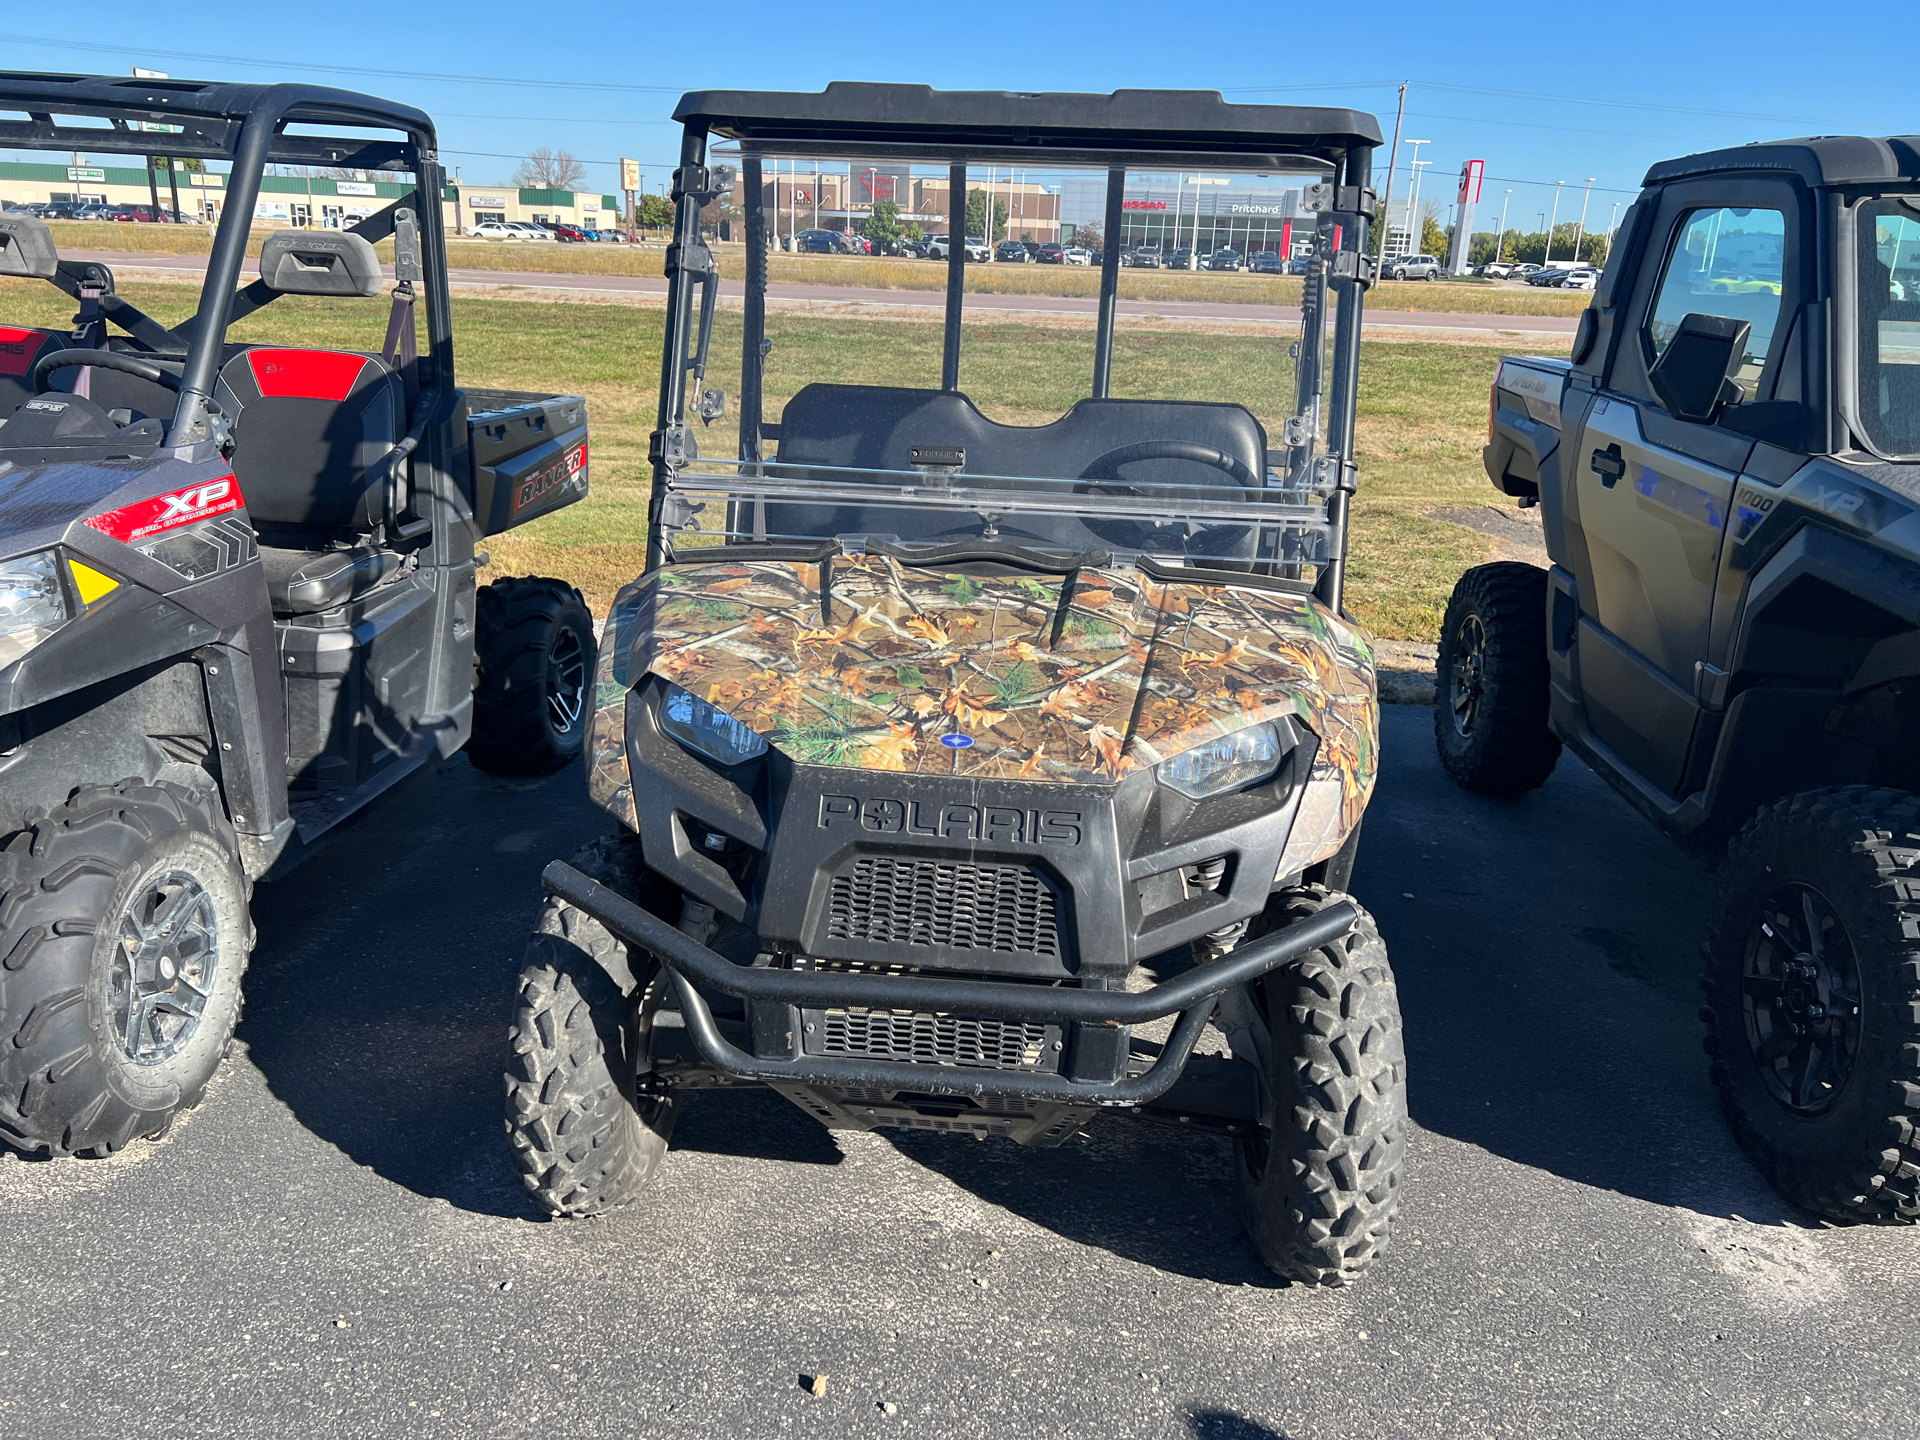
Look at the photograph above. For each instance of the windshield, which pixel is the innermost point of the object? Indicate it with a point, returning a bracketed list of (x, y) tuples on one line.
[(880, 435), (1888, 325)]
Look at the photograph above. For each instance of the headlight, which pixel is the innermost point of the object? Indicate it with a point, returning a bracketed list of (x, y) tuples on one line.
[(700, 727), (32, 604), (1233, 762)]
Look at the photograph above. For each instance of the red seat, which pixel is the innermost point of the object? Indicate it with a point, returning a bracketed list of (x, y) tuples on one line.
[(19, 349)]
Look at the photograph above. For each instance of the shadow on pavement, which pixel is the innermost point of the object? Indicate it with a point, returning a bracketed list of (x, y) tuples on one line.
[(1226, 1425), (1545, 951)]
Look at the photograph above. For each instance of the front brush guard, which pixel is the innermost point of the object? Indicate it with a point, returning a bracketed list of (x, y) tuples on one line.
[(1193, 995)]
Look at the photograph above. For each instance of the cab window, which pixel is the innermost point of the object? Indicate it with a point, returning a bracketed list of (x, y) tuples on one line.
[(1726, 262), (1888, 325)]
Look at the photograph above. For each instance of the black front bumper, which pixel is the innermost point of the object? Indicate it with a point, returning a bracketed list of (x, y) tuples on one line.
[(692, 965)]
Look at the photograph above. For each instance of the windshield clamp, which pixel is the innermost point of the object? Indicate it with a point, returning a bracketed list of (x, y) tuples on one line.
[(673, 447)]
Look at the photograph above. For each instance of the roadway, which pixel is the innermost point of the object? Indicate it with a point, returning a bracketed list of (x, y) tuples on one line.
[(192, 267), (334, 1244)]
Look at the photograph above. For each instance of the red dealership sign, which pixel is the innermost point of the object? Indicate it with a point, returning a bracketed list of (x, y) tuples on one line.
[(1472, 172), (1143, 204)]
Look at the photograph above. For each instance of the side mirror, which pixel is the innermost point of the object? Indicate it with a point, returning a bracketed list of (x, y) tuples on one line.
[(1694, 375)]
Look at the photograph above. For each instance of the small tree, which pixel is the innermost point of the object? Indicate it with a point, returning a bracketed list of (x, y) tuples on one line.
[(1089, 236), (977, 216), (654, 212), (883, 225), (548, 169), (914, 232), (1433, 238)]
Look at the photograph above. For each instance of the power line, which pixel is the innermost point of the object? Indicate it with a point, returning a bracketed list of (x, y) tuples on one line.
[(1524, 95), (158, 54)]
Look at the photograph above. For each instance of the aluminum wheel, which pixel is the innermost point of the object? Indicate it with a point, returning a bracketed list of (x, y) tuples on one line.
[(163, 967), (566, 681), (1467, 677), (1801, 999)]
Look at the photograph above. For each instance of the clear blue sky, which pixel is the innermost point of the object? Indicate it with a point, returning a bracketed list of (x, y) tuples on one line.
[(600, 78)]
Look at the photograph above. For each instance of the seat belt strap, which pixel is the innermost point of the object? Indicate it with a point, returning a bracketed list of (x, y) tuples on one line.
[(401, 352)]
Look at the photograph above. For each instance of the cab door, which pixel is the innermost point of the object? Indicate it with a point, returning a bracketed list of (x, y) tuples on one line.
[(1654, 491)]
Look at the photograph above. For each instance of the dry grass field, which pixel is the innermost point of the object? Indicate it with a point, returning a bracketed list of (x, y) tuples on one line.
[(1422, 415)]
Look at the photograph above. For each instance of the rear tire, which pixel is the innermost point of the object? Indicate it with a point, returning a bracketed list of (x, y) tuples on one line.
[(588, 1122), (1816, 1046), (1490, 715), (1320, 1186), (123, 936), (533, 677)]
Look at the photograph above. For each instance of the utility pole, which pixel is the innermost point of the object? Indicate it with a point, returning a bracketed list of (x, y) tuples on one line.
[(1499, 241), (1393, 159), (1580, 230), (1547, 264)]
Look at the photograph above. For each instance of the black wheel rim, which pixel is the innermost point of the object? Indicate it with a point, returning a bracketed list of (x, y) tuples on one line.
[(566, 681), (166, 954), (1467, 676), (1800, 995)]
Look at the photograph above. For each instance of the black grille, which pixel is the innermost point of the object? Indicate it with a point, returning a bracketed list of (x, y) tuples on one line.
[(1002, 908), (932, 1039)]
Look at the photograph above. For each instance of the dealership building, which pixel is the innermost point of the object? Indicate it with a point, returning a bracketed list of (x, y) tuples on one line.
[(1168, 210), (306, 201), (805, 195)]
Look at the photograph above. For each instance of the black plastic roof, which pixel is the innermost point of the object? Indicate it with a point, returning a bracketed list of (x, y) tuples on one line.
[(1817, 160), (1132, 127), (209, 113)]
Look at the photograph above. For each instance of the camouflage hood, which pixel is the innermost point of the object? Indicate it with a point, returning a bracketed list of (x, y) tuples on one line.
[(1079, 679)]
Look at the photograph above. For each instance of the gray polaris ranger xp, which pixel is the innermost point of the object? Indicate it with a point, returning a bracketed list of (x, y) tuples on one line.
[(932, 739), (237, 593)]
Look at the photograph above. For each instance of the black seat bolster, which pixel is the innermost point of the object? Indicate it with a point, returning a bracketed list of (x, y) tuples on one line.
[(877, 427), (305, 582)]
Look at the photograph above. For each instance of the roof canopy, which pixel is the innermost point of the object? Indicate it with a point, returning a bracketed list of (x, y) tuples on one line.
[(208, 115), (1130, 128), (1817, 160)]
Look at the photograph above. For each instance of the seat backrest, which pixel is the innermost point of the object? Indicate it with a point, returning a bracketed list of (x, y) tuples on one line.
[(874, 427), (19, 350), (312, 427)]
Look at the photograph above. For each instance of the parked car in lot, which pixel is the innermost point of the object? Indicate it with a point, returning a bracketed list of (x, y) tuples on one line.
[(1415, 267), (1299, 265), (1548, 277), (1497, 269), (494, 230), (1147, 256), (1076, 255), (1265, 262), (56, 210), (93, 212), (565, 234), (1181, 259), (1584, 278), (1012, 252), (1051, 254), (978, 251), (1225, 258), (1523, 272)]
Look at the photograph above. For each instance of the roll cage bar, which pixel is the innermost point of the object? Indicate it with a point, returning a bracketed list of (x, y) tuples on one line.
[(1129, 129), (245, 125)]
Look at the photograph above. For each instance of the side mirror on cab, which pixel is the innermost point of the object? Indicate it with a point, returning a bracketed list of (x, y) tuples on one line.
[(1694, 375)]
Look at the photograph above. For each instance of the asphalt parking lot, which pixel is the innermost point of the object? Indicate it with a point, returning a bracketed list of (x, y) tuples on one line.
[(335, 1245)]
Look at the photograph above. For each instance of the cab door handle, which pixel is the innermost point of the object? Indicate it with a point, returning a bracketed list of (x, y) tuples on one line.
[(1609, 466)]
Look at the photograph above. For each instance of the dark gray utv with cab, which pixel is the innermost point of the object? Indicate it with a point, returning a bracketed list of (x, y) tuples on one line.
[(1728, 469), (237, 592)]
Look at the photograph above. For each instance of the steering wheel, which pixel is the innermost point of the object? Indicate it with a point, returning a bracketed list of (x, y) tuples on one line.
[(102, 360), (1101, 478)]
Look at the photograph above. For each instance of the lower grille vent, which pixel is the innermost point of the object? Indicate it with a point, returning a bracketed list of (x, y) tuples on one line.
[(1002, 908), (932, 1039)]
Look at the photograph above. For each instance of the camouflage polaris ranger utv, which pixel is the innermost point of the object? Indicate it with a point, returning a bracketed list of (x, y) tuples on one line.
[(934, 740)]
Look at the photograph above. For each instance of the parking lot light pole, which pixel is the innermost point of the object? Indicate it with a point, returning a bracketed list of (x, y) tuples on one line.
[(1611, 217), (1499, 240), (1580, 230), (1547, 263)]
